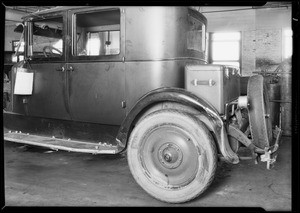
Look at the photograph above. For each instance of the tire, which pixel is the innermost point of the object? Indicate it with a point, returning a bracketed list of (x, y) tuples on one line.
[(259, 112), (172, 156)]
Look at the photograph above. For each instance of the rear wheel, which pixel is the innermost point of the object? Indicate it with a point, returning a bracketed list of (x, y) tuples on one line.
[(172, 156)]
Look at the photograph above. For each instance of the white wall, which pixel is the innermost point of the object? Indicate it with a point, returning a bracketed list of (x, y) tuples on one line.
[(262, 33)]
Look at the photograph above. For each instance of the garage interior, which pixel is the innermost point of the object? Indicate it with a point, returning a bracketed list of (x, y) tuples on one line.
[(260, 40)]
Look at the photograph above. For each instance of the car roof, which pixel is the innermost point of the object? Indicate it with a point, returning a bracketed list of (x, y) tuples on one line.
[(52, 10), (64, 8)]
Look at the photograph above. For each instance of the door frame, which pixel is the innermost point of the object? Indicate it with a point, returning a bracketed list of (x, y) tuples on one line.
[(106, 60), (58, 62)]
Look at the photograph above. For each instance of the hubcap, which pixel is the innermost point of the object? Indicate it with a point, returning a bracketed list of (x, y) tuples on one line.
[(169, 156)]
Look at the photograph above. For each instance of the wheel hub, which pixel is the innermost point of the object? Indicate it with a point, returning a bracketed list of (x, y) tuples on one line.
[(170, 155)]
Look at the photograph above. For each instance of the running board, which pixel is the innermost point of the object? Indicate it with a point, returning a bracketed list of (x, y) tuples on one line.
[(61, 144)]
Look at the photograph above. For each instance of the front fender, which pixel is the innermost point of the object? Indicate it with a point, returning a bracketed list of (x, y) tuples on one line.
[(184, 97)]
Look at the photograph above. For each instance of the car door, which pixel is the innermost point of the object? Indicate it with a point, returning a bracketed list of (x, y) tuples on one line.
[(96, 71), (47, 53)]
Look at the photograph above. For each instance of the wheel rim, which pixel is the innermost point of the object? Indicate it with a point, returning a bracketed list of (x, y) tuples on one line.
[(169, 156)]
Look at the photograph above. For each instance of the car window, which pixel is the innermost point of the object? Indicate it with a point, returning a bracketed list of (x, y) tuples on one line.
[(196, 35), (97, 33), (47, 38)]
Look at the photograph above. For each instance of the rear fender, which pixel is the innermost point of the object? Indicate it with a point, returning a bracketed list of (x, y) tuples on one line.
[(203, 110)]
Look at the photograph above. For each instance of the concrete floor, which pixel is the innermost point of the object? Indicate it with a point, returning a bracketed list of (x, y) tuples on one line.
[(40, 177)]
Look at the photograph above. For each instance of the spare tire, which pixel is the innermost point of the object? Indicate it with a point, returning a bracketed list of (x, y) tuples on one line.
[(259, 112)]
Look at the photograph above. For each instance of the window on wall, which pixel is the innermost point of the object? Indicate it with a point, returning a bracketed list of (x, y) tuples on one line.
[(18, 49), (97, 33), (226, 48), (287, 43)]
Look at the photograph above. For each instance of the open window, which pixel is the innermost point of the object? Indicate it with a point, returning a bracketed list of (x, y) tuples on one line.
[(96, 33), (46, 38)]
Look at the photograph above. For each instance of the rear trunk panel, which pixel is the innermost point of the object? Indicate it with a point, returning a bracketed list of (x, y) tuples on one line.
[(217, 84)]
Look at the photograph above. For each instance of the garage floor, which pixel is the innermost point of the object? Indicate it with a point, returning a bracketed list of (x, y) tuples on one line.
[(40, 177)]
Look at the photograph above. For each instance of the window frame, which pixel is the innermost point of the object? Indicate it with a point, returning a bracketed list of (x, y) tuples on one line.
[(72, 32), (204, 53), (221, 61), (203, 36), (61, 14)]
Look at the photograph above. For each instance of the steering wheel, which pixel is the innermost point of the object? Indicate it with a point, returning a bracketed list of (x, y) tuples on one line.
[(50, 48)]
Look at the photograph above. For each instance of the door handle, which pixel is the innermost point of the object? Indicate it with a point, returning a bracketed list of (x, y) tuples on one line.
[(71, 69), (60, 69)]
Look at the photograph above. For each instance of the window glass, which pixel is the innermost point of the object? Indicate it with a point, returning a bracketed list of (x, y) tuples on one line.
[(47, 38), (231, 63), (225, 48), (226, 36), (97, 33), (196, 35), (18, 48), (288, 43)]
